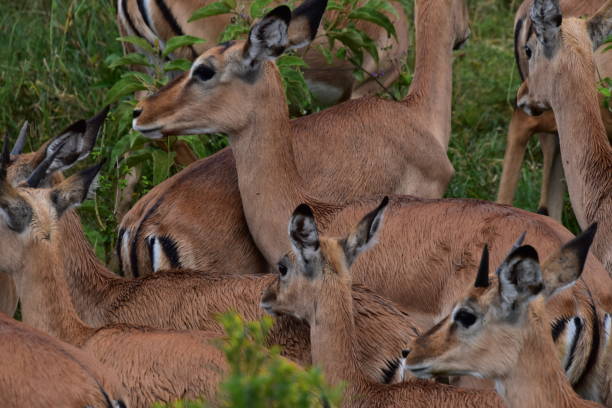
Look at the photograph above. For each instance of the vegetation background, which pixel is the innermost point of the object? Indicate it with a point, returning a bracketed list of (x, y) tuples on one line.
[(54, 70)]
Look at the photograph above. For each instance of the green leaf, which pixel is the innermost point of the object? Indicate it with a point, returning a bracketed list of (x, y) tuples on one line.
[(180, 41), (373, 16), (130, 59), (257, 8), (138, 42), (326, 52), (212, 9), (123, 87), (290, 61), (234, 31), (177, 65), (162, 161)]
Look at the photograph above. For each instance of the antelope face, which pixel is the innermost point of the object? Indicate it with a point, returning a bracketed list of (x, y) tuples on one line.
[(29, 216), (557, 46), (315, 265), (488, 330), (227, 85), (461, 22)]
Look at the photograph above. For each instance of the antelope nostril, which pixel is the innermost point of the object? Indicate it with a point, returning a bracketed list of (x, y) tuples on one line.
[(405, 353), (136, 113)]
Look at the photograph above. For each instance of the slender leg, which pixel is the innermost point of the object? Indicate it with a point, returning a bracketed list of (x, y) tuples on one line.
[(519, 132), (548, 142), (556, 185)]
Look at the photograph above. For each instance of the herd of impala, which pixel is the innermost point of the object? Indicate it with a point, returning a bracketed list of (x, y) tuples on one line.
[(333, 223)]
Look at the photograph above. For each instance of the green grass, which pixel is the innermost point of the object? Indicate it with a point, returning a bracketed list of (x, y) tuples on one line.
[(52, 72)]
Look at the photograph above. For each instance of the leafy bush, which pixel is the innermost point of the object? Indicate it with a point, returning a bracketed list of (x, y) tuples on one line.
[(261, 378)]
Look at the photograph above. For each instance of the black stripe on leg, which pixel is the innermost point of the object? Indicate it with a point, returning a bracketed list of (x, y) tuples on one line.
[(144, 14), (517, 33), (124, 6), (118, 247), (134, 247), (390, 370), (570, 360), (163, 7)]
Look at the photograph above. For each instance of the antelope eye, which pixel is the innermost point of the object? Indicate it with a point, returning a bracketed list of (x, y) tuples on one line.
[(282, 269), (465, 318), (528, 51), (203, 72)]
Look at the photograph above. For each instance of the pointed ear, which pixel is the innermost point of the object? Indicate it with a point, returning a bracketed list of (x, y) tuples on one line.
[(565, 267), (75, 143), (305, 239), (268, 38), (305, 22), (482, 277), (520, 279), (365, 235), (21, 139), (547, 19), (599, 25), (74, 190)]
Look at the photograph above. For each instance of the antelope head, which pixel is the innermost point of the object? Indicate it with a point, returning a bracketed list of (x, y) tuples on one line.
[(487, 331), (554, 48), (315, 266), (228, 83), (29, 216), (62, 152)]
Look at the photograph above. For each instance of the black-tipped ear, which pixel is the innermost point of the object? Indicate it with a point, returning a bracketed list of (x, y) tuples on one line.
[(482, 278), (73, 191), (599, 25), (365, 235), (305, 22), (520, 278), (547, 18), (566, 266), (268, 38), (21, 139), (304, 239)]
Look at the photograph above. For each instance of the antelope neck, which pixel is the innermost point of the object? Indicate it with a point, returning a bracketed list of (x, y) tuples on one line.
[(45, 301), (537, 379), (431, 88), (587, 155), (269, 182), (331, 334)]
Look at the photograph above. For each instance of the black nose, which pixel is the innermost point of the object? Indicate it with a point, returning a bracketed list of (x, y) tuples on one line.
[(136, 113), (405, 353)]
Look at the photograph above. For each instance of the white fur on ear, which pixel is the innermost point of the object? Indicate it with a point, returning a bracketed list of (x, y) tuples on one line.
[(269, 38)]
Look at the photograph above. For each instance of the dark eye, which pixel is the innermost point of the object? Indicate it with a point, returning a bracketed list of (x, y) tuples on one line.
[(203, 72), (528, 51), (465, 318), (282, 269)]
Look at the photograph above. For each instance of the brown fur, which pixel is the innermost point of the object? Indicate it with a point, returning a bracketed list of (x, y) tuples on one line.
[(323, 299), (583, 139), (413, 149), (187, 364), (522, 128), (41, 371), (517, 352), (185, 299), (331, 83)]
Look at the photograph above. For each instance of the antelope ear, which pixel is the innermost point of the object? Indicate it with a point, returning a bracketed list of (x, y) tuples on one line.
[(305, 239), (365, 235), (76, 189), (268, 38), (565, 267), (305, 21), (520, 279), (547, 18), (599, 25)]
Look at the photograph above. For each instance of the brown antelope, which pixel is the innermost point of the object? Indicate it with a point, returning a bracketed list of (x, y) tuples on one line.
[(523, 127), (72, 145), (192, 299), (41, 371), (158, 21), (499, 330), (314, 284), (394, 147), (427, 240), (186, 363), (561, 69)]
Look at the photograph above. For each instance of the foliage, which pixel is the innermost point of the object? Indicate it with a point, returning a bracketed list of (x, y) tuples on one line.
[(261, 378)]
